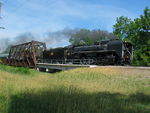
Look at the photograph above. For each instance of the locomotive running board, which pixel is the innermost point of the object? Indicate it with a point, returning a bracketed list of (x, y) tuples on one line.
[(60, 66)]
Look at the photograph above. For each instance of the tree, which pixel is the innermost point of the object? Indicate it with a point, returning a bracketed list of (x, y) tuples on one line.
[(142, 38), (121, 28), (80, 37), (138, 33), (88, 37)]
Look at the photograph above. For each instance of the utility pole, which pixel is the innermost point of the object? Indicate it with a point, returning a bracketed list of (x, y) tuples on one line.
[(0, 14)]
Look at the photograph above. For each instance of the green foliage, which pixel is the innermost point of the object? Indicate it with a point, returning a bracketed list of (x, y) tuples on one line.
[(88, 37), (19, 70), (138, 33), (121, 27)]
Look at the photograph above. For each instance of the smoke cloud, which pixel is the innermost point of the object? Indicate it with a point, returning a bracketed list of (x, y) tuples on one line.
[(52, 39), (4, 44), (59, 38)]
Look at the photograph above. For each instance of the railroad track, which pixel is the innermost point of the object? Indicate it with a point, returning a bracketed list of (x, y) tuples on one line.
[(124, 67), (44, 66)]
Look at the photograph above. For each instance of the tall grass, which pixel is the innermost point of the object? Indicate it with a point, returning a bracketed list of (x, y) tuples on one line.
[(96, 90)]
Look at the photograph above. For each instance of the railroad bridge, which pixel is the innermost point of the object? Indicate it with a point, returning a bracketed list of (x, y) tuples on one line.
[(30, 55)]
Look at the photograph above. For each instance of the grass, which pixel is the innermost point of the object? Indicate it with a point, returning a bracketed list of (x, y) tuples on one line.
[(18, 70), (84, 90)]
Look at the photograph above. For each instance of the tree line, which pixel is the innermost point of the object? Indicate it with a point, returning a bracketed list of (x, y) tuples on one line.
[(88, 37)]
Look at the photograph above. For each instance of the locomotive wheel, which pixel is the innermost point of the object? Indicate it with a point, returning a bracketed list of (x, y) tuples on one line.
[(83, 61), (96, 61)]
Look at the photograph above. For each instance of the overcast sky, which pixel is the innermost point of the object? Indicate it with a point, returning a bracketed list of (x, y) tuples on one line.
[(41, 16)]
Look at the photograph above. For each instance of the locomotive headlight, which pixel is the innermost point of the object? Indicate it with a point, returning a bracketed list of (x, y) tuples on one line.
[(52, 54), (68, 54)]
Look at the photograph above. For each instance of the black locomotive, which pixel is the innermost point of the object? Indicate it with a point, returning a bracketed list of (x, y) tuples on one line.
[(112, 52)]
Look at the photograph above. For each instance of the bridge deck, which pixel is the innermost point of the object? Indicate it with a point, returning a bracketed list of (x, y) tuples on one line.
[(61, 66), (73, 66)]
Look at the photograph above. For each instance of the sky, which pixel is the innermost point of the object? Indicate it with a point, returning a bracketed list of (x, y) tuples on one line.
[(42, 16)]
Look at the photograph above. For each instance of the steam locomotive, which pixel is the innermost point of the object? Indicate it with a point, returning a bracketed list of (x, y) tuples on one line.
[(112, 52)]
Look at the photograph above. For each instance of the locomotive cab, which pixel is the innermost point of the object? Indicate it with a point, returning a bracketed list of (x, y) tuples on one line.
[(123, 51)]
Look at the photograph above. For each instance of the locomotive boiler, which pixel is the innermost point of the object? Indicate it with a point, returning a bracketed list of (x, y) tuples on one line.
[(112, 52)]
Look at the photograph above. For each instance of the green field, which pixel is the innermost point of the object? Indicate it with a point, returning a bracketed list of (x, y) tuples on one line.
[(84, 90)]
